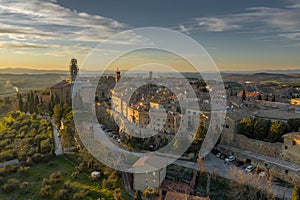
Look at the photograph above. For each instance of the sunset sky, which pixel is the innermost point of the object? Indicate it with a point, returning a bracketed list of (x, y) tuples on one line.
[(239, 35)]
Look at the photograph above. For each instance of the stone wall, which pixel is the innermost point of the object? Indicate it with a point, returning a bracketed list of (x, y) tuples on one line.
[(257, 146)]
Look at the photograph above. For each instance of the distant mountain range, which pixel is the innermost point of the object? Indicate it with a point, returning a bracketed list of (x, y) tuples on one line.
[(30, 71), (278, 77), (10, 70)]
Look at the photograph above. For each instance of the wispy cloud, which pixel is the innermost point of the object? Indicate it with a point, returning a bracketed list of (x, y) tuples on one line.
[(25, 45), (281, 21), (49, 20), (45, 28)]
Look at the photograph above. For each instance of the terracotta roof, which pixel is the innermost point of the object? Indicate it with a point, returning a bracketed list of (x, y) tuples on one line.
[(61, 84), (295, 135), (239, 114), (277, 114), (149, 162)]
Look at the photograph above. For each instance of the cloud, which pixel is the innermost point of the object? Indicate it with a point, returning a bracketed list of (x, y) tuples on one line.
[(292, 36), (281, 21), (183, 29), (48, 20), (215, 24), (24, 45)]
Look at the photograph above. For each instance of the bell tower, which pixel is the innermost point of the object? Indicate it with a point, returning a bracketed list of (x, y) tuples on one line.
[(73, 69), (118, 75)]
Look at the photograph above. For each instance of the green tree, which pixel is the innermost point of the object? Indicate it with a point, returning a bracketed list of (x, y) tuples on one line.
[(137, 195), (40, 108), (273, 98), (294, 124), (296, 193), (26, 107), (259, 97), (244, 97), (266, 97), (201, 132), (21, 103), (277, 130), (36, 102), (57, 115), (246, 127)]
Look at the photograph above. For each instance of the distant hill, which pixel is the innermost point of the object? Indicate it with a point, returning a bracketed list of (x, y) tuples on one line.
[(10, 70), (262, 77)]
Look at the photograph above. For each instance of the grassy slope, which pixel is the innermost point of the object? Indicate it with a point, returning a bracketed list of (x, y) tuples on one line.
[(43, 170)]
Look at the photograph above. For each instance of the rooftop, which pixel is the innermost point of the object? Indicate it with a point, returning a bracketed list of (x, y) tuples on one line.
[(61, 84), (179, 196), (276, 114), (295, 135)]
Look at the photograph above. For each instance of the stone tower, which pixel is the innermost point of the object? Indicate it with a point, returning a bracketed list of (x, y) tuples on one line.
[(73, 69), (118, 75)]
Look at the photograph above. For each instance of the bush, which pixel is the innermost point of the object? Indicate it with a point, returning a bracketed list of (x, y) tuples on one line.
[(8, 169), (23, 170), (10, 185), (68, 186), (61, 194), (74, 175), (45, 191), (24, 186), (55, 178), (6, 155), (45, 146), (45, 182), (81, 195)]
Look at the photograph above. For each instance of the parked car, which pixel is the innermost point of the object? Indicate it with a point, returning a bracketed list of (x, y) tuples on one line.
[(239, 163), (230, 159), (249, 168)]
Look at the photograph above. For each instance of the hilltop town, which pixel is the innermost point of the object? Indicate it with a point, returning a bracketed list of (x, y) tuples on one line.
[(259, 146)]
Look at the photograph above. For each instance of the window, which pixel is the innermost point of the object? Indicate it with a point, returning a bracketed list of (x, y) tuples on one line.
[(194, 113), (226, 126), (286, 172), (285, 147), (294, 143)]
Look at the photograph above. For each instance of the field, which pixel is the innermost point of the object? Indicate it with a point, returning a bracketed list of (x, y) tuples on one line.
[(10, 83), (66, 168)]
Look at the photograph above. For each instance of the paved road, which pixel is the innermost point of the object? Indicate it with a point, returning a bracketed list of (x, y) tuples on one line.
[(57, 140), (213, 164)]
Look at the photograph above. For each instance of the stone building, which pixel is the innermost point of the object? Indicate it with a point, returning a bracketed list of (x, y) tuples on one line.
[(152, 178), (63, 89), (291, 147)]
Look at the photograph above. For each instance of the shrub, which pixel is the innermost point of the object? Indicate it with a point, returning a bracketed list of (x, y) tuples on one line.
[(81, 195), (55, 178), (8, 169), (74, 175), (10, 185), (61, 194), (23, 170), (24, 187), (45, 191)]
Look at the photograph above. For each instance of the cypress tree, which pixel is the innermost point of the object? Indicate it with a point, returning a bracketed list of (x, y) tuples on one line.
[(21, 103), (296, 193)]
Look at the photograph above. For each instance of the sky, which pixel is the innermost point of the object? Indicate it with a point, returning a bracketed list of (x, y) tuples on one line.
[(238, 35)]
